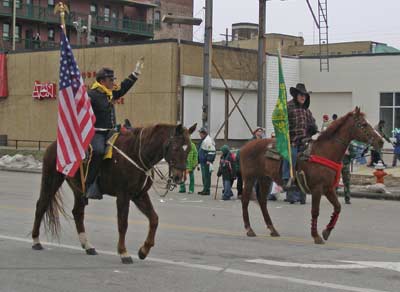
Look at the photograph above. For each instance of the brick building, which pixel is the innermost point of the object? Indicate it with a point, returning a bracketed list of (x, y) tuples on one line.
[(113, 21)]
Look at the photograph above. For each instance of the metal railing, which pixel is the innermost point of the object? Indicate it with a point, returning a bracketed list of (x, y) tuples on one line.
[(40, 144), (46, 14), (27, 44)]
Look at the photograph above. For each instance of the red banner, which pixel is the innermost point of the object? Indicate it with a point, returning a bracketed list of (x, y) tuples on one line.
[(44, 90), (3, 76)]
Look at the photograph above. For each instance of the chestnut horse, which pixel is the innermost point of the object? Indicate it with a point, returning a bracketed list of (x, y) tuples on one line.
[(331, 144), (119, 178)]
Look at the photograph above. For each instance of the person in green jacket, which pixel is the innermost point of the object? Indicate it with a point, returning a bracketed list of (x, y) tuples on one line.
[(346, 174), (191, 163)]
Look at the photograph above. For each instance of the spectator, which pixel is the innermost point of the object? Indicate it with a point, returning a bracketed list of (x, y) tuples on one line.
[(191, 163), (396, 150), (376, 155), (258, 133), (227, 171), (36, 41), (206, 150), (346, 174), (325, 122), (334, 117)]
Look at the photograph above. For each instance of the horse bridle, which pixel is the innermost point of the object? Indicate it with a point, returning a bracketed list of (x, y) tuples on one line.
[(358, 125)]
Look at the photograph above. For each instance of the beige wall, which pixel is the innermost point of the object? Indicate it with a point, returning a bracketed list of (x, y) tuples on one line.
[(234, 64), (153, 98), (350, 48)]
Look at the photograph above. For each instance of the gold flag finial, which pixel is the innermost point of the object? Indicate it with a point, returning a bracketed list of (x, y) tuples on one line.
[(62, 9)]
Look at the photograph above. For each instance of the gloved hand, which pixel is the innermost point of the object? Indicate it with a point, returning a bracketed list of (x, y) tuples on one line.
[(139, 67)]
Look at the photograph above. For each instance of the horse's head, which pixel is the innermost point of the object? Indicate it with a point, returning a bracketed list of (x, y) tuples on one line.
[(176, 150), (363, 131)]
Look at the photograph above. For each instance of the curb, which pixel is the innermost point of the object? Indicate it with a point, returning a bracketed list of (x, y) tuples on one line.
[(24, 170), (373, 196)]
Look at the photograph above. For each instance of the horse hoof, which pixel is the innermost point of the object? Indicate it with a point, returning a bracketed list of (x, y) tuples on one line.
[(91, 251), (141, 254), (318, 240), (127, 260), (326, 233), (251, 233), (275, 234), (37, 246)]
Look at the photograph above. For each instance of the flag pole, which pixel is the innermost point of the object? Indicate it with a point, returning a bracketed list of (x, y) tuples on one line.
[(63, 9), (287, 133)]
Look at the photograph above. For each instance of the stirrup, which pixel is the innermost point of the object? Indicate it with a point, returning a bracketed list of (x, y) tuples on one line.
[(93, 192), (290, 185)]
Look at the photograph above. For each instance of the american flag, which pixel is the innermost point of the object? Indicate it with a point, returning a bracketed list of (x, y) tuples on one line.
[(75, 114)]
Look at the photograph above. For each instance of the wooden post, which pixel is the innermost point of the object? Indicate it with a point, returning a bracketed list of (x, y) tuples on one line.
[(226, 130)]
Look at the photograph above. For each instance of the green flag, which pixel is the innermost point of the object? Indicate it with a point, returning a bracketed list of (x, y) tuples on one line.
[(280, 119)]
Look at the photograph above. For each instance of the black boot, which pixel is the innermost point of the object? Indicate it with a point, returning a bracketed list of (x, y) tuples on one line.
[(92, 189)]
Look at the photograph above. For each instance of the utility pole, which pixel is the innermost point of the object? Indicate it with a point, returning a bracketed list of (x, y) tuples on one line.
[(207, 77), (261, 96), (14, 24), (226, 35)]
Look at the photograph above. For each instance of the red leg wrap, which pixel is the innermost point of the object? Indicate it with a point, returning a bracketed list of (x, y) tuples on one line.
[(334, 219), (314, 227)]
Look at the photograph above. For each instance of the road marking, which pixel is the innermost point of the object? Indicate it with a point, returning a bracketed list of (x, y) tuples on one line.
[(357, 246), (301, 281), (395, 266), (214, 268), (309, 266)]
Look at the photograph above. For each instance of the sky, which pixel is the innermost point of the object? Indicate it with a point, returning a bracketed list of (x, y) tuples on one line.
[(349, 20)]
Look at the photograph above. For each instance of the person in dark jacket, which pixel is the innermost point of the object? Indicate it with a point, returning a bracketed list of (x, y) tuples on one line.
[(301, 126), (103, 94), (227, 171)]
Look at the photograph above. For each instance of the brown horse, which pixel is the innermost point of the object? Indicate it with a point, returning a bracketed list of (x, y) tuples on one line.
[(119, 178), (331, 144)]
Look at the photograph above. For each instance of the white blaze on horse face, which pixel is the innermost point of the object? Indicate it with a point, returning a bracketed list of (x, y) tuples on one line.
[(185, 147)]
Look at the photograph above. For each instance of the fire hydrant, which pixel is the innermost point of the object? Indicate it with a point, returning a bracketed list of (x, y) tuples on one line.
[(379, 173)]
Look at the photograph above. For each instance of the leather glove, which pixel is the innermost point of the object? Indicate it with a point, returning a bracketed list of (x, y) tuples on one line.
[(139, 67)]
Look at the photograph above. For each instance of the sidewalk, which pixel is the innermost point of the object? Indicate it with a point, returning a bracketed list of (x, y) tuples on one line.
[(361, 177)]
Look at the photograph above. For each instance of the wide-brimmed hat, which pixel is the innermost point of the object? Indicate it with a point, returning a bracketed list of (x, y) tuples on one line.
[(105, 73), (300, 88), (379, 165)]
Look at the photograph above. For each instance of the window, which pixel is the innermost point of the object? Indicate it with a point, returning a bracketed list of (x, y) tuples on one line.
[(51, 35), (18, 4), (93, 9), (390, 111), (107, 14), (157, 20), (106, 39), (6, 31), (17, 33), (6, 3), (50, 2)]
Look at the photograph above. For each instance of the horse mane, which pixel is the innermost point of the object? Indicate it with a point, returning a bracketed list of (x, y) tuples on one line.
[(334, 127)]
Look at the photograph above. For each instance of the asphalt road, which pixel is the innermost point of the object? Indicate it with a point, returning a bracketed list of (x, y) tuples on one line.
[(200, 246)]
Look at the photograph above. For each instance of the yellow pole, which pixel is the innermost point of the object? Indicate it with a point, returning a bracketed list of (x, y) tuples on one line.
[(62, 9)]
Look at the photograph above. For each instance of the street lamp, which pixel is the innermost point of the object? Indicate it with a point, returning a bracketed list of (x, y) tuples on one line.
[(181, 20)]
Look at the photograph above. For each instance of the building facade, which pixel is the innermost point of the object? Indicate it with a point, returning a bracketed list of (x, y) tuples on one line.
[(112, 21), (177, 8)]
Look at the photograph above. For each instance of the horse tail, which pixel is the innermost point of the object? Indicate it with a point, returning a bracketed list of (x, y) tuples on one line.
[(50, 193)]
